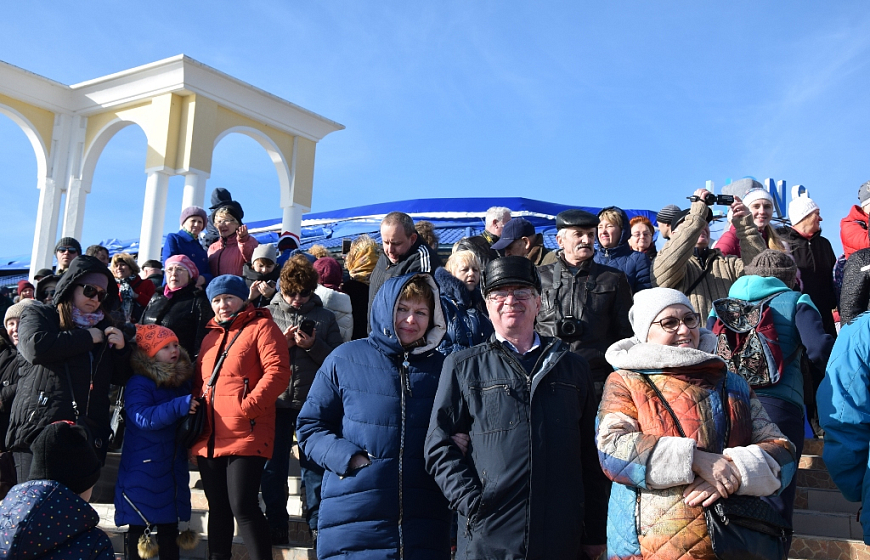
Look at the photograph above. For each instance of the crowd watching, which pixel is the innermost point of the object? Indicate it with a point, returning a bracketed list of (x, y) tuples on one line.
[(590, 401)]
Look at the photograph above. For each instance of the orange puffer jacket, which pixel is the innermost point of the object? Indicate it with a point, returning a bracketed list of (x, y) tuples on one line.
[(241, 406)]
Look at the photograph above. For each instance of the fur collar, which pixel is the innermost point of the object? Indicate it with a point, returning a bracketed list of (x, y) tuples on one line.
[(629, 353), (163, 374)]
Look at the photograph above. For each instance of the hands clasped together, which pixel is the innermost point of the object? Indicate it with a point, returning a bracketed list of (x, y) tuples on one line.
[(716, 476)]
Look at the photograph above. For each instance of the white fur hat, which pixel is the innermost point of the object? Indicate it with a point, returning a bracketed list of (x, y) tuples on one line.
[(800, 206), (648, 304)]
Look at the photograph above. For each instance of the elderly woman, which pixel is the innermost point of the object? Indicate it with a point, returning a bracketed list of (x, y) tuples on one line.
[(365, 421), (182, 307), (243, 366), (642, 233), (664, 479), (235, 247), (135, 292), (186, 242), (465, 311), (613, 248)]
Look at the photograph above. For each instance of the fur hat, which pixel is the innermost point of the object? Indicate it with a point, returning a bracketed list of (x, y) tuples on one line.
[(63, 453), (15, 311), (228, 284), (648, 304), (151, 338), (192, 211), (774, 264), (801, 205)]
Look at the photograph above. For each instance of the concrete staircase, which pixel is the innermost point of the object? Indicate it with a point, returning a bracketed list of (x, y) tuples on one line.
[(825, 527), (300, 547)]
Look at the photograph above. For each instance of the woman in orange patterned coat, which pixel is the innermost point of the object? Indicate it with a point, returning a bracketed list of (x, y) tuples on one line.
[(664, 480)]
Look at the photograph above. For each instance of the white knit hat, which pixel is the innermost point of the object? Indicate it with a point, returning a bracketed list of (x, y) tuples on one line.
[(800, 206), (755, 194), (648, 304)]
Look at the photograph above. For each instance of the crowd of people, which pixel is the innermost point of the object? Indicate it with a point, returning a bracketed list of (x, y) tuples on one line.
[(516, 402)]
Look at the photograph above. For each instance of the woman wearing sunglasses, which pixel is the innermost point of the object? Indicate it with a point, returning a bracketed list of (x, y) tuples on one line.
[(71, 353), (668, 468), (295, 304)]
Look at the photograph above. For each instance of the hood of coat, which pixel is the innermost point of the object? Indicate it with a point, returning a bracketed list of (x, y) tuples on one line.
[(755, 288), (162, 373), (630, 353), (623, 237), (29, 517), (80, 266), (455, 289), (383, 315)]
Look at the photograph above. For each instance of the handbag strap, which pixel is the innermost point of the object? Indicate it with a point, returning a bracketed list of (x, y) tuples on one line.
[(72, 393), (676, 420), (220, 362)]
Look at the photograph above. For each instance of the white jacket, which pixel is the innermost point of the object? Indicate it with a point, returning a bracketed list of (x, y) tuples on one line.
[(340, 305)]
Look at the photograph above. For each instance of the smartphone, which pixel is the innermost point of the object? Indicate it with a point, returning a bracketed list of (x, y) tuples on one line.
[(307, 327), (345, 246)]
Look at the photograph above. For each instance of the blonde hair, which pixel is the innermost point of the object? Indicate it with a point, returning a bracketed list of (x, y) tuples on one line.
[(774, 241), (611, 216), (460, 258), (318, 251), (362, 258), (127, 259), (225, 214)]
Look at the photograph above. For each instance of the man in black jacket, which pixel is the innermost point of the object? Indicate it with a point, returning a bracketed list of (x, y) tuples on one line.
[(511, 440), (583, 302), (403, 252)]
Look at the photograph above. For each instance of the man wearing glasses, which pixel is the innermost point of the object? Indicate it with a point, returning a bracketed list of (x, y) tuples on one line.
[(66, 250), (583, 302), (511, 439)]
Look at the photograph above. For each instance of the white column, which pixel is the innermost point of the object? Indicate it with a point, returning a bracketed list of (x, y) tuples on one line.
[(292, 219), (194, 189), (74, 216), (153, 213), (45, 233)]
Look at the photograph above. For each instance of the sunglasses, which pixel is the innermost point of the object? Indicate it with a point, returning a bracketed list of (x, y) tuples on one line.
[(92, 292), (67, 250), (303, 293)]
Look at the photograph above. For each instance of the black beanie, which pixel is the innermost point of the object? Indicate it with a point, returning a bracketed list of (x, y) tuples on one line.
[(63, 453)]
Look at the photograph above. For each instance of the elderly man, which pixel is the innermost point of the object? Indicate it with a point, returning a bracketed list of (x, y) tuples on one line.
[(813, 254), (519, 239), (583, 302), (404, 252), (514, 418), (66, 250), (497, 217)]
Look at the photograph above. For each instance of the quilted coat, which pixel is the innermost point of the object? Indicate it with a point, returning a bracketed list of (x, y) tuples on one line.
[(635, 266), (153, 471), (853, 231), (340, 305), (43, 519), (241, 406), (467, 323), (640, 448), (373, 396)]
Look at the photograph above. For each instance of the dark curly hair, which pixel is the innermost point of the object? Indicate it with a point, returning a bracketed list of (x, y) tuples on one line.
[(298, 275)]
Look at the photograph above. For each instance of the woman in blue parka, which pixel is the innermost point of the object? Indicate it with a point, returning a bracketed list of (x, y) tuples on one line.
[(613, 249), (152, 490), (365, 421), (464, 309)]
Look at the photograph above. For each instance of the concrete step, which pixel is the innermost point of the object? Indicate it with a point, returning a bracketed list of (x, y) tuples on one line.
[(813, 446), (814, 478), (827, 524), (821, 548), (200, 552), (820, 499)]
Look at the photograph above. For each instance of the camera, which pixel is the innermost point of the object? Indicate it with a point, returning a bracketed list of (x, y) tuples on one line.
[(710, 199), (569, 327)]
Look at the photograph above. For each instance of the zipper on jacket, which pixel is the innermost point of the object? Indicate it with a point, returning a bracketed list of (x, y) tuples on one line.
[(245, 394), (405, 381)]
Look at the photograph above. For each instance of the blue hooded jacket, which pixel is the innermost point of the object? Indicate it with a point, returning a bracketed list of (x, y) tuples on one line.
[(466, 324), (45, 519), (374, 397), (635, 266)]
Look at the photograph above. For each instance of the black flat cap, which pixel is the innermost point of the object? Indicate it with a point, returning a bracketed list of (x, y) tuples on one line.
[(510, 271), (576, 218)]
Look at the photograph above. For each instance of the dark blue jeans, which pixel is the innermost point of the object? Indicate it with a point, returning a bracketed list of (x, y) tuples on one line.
[(274, 483), (790, 419)]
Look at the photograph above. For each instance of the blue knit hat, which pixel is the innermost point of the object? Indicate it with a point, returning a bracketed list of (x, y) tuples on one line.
[(228, 284)]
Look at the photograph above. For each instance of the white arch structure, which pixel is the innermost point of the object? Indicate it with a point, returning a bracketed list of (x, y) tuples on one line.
[(185, 108)]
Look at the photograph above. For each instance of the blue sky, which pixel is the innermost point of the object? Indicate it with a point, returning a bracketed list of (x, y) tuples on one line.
[(627, 103)]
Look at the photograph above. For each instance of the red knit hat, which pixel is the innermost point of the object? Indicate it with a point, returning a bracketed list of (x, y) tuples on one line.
[(151, 338)]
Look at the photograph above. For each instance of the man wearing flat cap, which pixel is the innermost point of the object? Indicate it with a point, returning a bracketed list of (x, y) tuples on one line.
[(514, 418), (583, 302)]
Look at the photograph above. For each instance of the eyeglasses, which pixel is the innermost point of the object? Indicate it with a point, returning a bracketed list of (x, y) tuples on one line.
[(672, 324), (225, 222), (92, 292), (303, 293), (519, 295), (67, 250)]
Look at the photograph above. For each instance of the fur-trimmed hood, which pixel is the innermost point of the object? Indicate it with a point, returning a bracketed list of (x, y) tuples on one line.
[(162, 373), (630, 353)]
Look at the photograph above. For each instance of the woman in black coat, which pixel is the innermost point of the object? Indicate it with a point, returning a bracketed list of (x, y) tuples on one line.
[(71, 354), (182, 307)]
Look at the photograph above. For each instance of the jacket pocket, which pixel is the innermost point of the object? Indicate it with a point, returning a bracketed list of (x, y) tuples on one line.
[(499, 407), (565, 404)]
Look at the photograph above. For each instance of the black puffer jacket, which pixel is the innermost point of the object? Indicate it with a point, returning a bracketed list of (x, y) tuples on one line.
[(855, 296), (186, 314), (815, 259), (305, 363), (250, 275), (52, 358), (598, 296), (8, 380), (530, 483)]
